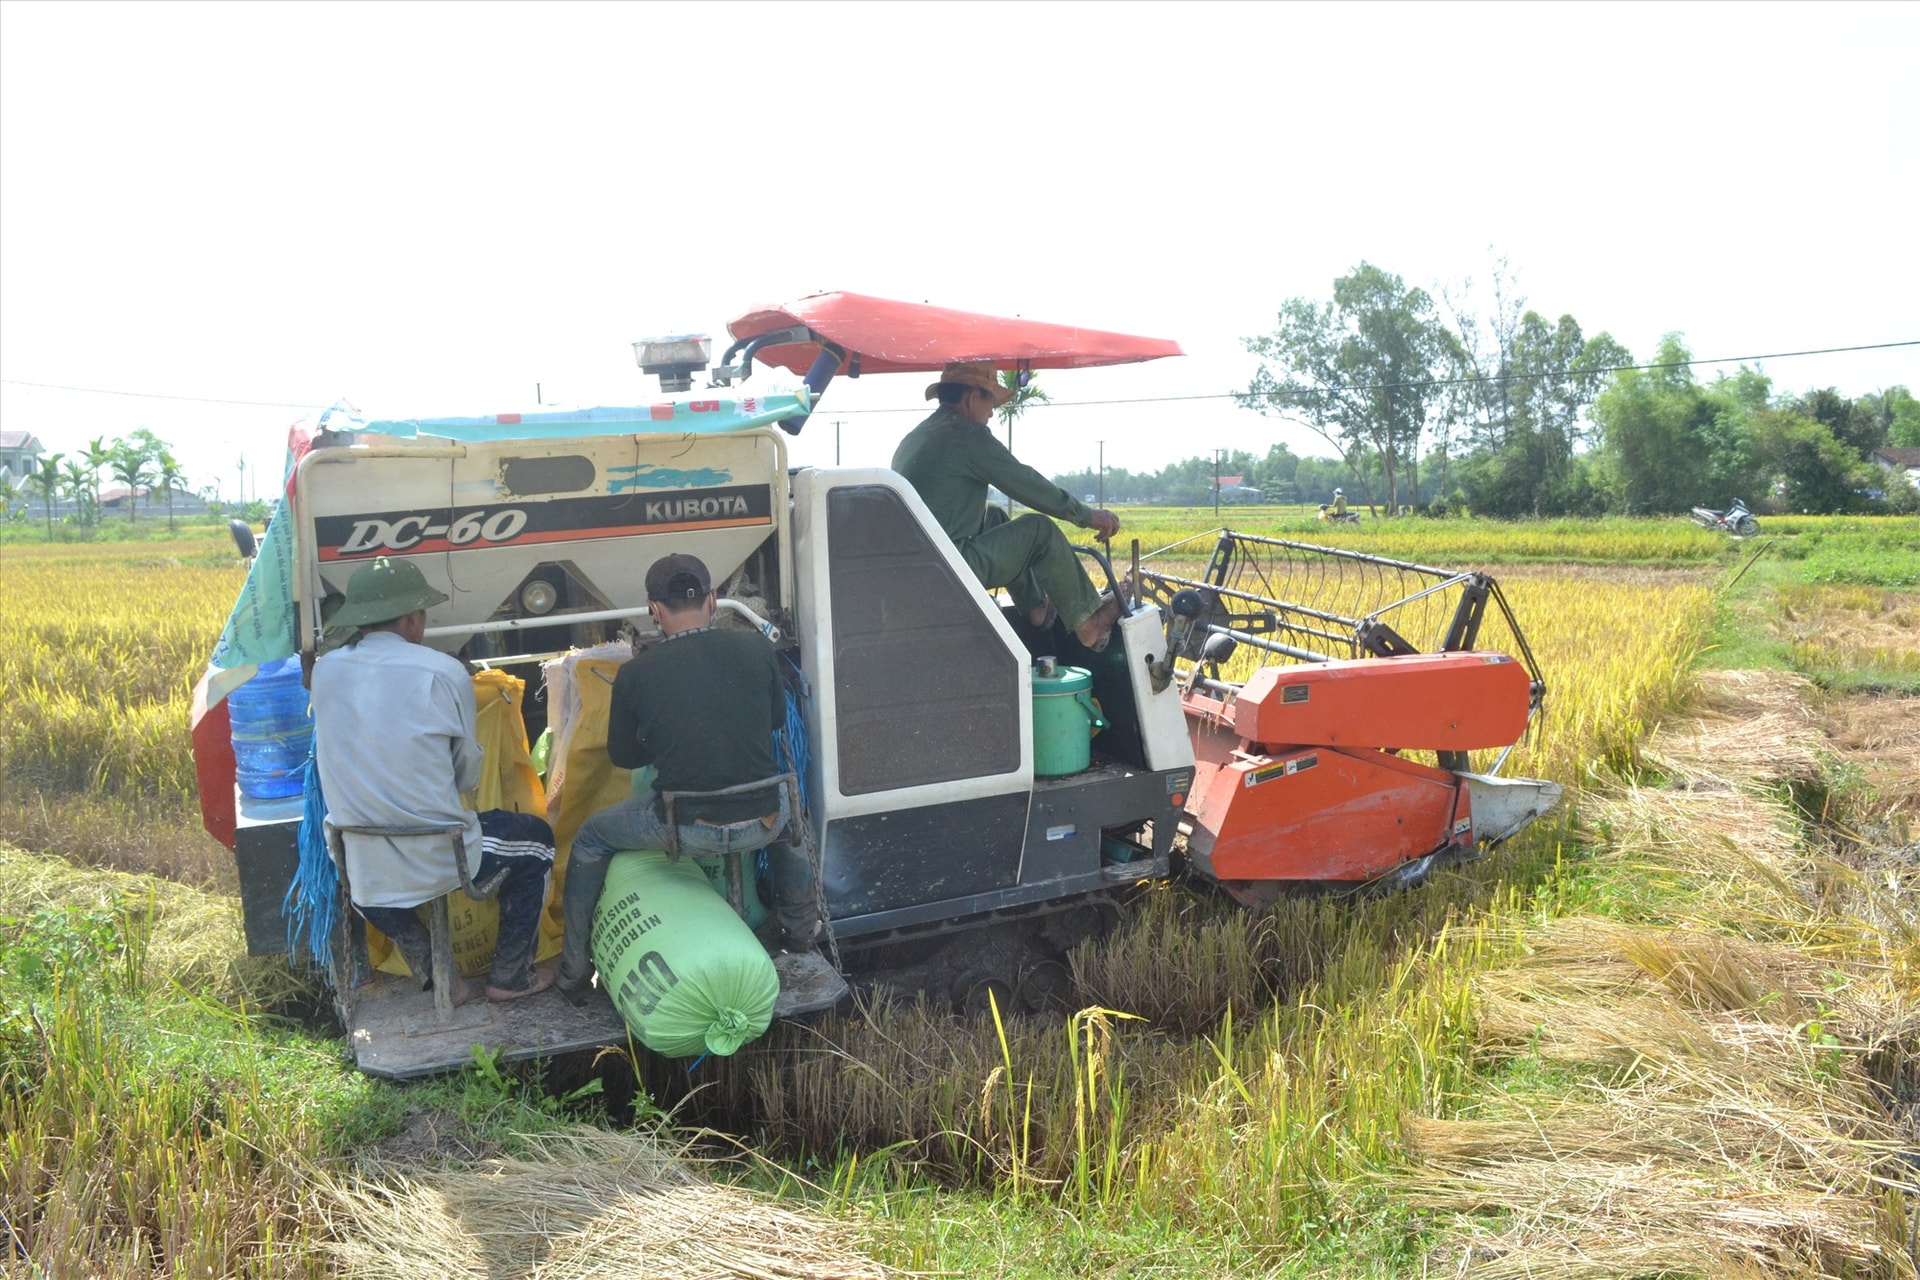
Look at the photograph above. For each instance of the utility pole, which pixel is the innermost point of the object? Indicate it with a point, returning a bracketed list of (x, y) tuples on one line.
[(836, 442), (1103, 472), (1216, 482)]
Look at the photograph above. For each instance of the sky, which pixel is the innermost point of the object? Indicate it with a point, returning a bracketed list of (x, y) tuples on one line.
[(213, 216)]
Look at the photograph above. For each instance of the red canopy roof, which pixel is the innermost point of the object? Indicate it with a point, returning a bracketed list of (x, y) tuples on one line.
[(909, 337)]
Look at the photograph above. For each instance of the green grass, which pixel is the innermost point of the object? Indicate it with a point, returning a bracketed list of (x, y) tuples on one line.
[(1887, 555), (147, 527)]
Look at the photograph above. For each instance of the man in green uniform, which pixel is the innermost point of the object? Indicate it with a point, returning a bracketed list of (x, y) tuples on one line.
[(951, 458)]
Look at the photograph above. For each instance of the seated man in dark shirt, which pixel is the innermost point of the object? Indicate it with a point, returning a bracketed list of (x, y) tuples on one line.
[(701, 707)]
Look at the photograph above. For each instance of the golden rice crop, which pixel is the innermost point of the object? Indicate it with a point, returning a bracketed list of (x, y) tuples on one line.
[(1616, 655), (1439, 542), (98, 654)]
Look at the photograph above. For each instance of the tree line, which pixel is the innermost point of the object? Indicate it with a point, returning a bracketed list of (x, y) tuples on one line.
[(1486, 405), (140, 460), (1278, 476)]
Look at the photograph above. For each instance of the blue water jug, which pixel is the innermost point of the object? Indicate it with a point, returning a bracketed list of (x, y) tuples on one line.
[(272, 731)]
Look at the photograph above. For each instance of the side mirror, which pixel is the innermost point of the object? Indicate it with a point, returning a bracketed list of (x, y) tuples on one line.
[(243, 538)]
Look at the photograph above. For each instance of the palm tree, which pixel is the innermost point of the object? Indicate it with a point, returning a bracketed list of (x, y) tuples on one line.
[(47, 481), (130, 469), (170, 476), (96, 455), (1025, 395), (79, 482)]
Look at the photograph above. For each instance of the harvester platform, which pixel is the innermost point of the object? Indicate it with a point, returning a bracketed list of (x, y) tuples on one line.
[(393, 1032)]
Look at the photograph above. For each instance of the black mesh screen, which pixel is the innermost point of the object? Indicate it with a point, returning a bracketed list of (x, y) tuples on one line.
[(927, 691)]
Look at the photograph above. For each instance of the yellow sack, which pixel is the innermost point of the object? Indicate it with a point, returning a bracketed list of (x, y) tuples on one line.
[(581, 780), (590, 782), (507, 782)]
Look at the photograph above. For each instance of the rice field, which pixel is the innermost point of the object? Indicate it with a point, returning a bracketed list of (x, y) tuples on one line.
[(1447, 543), (1652, 1037), (100, 645)]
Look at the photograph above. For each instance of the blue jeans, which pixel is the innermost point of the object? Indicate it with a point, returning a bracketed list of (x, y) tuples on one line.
[(522, 896), (634, 824)]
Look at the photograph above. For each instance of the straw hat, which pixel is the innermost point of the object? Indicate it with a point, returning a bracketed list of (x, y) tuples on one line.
[(975, 373)]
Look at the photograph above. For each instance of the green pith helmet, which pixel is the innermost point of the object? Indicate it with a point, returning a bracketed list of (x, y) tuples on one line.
[(384, 590)]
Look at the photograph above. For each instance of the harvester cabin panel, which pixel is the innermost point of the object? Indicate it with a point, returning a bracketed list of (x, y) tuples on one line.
[(927, 692), (921, 709)]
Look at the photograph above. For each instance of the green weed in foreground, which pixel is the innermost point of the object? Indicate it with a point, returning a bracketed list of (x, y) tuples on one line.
[(137, 1143), (152, 1120)]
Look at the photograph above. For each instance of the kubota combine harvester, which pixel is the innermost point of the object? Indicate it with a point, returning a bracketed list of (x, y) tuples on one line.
[(1269, 712)]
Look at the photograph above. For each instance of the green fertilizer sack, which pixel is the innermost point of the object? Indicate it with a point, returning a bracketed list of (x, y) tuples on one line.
[(685, 972)]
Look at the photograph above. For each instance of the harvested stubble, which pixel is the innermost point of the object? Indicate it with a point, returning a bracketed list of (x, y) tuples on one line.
[(1726, 1095), (1708, 1140), (941, 1090), (1830, 626), (586, 1203), (1183, 963)]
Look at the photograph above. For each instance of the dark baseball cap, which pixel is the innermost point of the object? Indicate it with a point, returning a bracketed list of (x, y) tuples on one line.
[(678, 578)]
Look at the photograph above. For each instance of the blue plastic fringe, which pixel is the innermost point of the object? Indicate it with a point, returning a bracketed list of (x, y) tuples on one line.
[(790, 749), (312, 906), (790, 743)]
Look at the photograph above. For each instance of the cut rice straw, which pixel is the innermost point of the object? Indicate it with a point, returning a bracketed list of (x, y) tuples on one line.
[(1704, 1092), (586, 1203)]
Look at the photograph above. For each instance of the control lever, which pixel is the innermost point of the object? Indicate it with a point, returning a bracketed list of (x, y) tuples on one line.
[(1182, 611)]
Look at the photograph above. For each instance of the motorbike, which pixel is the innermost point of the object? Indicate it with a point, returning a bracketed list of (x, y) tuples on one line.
[(1735, 519), (1328, 514)]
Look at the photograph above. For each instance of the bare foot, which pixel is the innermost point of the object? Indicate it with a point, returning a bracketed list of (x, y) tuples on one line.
[(465, 992), (1093, 632), (1040, 615), (542, 979)]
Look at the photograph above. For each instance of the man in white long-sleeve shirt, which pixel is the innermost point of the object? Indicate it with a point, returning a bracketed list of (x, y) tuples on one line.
[(394, 723)]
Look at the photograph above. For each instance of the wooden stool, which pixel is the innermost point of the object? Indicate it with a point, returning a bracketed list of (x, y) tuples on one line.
[(348, 958)]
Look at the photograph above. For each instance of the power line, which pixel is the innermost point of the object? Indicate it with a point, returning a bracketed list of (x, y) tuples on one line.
[(1578, 373), (155, 395), (1065, 404)]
